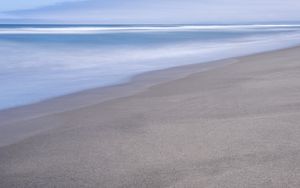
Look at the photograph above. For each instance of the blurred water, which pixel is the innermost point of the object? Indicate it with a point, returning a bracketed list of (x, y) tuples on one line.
[(38, 62)]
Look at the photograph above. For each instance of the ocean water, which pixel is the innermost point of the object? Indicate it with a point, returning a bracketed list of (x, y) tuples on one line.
[(38, 62)]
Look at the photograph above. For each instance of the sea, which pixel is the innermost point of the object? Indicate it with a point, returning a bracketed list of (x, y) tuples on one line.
[(39, 62)]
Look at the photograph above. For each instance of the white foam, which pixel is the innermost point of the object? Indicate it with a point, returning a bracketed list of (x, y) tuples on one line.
[(121, 29)]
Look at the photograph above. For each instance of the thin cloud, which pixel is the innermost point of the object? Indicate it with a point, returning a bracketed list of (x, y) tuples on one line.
[(166, 11)]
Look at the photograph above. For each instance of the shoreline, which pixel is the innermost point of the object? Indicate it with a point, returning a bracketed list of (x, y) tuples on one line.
[(137, 83), (108, 92), (250, 50), (96, 96), (91, 97), (235, 125)]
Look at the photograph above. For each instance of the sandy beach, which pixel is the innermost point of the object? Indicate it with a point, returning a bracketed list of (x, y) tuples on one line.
[(228, 124)]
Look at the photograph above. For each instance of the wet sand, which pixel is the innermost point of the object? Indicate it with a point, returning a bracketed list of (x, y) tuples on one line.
[(232, 123)]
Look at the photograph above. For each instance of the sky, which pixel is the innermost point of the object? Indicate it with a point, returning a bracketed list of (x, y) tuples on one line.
[(149, 11), (23, 4)]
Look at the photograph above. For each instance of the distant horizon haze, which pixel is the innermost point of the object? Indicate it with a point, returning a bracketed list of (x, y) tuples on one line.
[(149, 11)]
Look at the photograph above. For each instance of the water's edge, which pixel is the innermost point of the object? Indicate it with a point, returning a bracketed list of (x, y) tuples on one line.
[(15, 123), (128, 87)]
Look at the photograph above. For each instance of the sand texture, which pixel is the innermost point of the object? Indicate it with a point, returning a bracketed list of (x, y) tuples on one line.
[(233, 126)]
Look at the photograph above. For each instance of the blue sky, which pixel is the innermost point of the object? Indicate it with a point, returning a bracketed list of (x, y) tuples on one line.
[(6, 5), (151, 11)]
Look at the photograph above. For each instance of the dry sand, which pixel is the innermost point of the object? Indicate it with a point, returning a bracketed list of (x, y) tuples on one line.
[(235, 125)]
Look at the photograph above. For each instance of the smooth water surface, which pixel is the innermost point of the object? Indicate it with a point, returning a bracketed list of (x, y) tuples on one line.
[(38, 62)]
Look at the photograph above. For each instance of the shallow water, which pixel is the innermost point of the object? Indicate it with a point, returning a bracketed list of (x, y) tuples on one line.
[(38, 62)]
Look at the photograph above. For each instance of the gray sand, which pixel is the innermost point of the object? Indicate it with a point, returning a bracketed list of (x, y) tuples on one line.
[(233, 126)]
